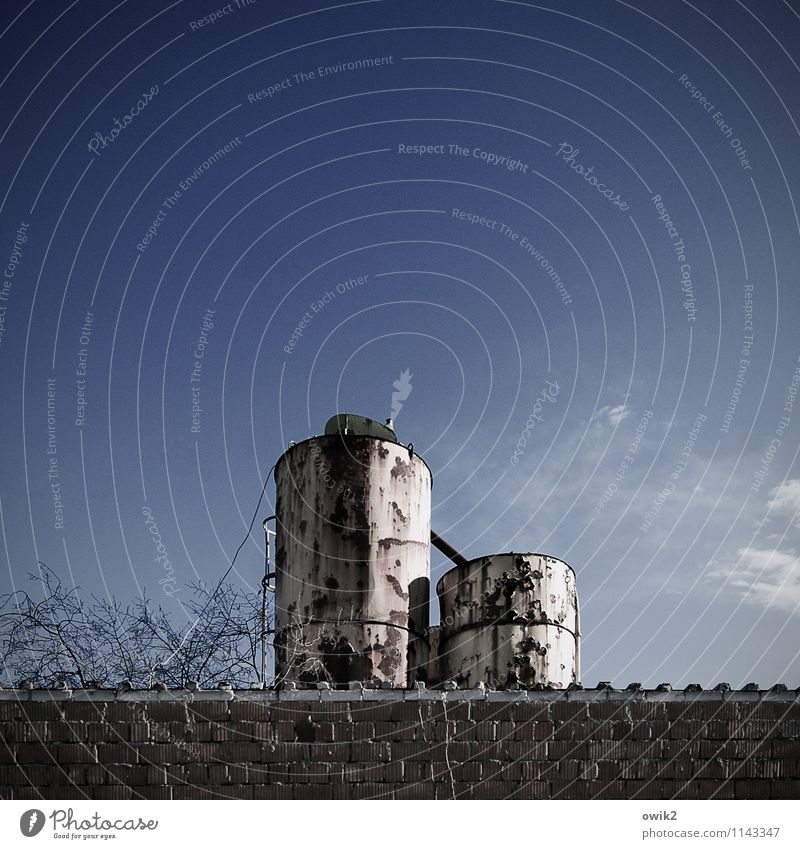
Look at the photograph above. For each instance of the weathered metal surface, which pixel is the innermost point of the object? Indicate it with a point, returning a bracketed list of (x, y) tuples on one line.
[(348, 423), (509, 618), (433, 656), (352, 562)]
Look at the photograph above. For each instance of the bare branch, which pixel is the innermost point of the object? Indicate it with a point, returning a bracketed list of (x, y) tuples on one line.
[(52, 634)]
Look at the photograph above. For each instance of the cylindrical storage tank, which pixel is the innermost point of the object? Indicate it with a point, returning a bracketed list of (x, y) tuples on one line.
[(352, 561), (509, 618)]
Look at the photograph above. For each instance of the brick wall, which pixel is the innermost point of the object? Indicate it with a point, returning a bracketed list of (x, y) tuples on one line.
[(423, 744)]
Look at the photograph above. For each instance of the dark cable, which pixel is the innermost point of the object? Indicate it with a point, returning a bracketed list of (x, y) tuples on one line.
[(242, 544)]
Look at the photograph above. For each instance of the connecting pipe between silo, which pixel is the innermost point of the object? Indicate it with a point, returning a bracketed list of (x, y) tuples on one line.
[(451, 553)]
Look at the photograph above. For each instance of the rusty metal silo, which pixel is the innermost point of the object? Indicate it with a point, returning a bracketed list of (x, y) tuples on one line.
[(509, 618), (352, 557)]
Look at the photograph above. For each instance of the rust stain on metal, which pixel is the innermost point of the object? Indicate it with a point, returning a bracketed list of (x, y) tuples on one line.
[(396, 587), (392, 658), (401, 468), (399, 513), (388, 542)]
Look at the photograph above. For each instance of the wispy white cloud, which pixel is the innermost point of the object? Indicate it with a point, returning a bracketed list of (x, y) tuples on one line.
[(785, 498), (765, 576), (612, 415)]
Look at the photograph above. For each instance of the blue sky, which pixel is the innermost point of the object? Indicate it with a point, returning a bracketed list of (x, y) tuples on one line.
[(575, 226)]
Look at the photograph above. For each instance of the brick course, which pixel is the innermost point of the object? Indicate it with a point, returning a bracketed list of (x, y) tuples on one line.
[(400, 745)]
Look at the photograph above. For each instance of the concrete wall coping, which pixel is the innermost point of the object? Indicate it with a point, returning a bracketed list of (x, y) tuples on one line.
[(397, 695)]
